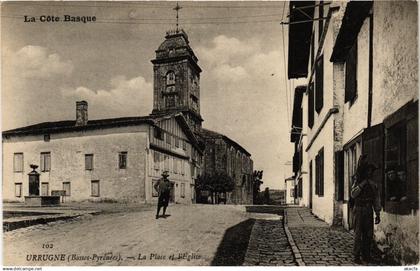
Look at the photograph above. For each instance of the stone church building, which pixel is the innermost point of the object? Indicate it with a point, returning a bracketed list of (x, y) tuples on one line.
[(120, 159)]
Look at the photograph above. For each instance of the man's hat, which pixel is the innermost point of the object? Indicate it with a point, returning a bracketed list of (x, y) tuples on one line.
[(165, 173)]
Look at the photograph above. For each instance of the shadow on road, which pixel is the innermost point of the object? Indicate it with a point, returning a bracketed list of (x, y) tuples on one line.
[(267, 209), (232, 249)]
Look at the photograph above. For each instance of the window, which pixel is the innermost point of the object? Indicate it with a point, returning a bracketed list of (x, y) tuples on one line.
[(184, 145), (401, 160), (156, 160), (182, 167), (170, 100), (170, 78), (319, 173), (122, 160), (170, 89), (18, 162), (157, 133), (67, 188), (155, 193), (319, 84), (47, 138), (168, 138), (44, 189), (300, 192), (88, 161), (351, 75), (45, 161), (352, 152), (94, 188), (194, 102), (310, 183), (171, 163), (182, 190), (177, 142), (166, 162), (311, 106), (175, 165), (292, 193), (18, 190)]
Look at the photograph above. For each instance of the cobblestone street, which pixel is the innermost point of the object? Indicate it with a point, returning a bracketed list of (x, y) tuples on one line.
[(319, 244), (189, 235), (268, 245)]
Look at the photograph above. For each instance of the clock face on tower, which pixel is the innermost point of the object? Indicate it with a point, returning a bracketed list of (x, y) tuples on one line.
[(170, 89)]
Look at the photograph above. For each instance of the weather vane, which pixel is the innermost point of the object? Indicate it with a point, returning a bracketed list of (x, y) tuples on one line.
[(177, 8)]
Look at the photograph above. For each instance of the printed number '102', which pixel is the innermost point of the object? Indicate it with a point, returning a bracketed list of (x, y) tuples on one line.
[(47, 246)]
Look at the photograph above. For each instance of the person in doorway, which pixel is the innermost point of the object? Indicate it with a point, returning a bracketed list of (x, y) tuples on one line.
[(366, 199), (163, 186)]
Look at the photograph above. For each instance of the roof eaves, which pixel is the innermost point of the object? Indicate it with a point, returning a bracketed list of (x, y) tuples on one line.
[(355, 14)]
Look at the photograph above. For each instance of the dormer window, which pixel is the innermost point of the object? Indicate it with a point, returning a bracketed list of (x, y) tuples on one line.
[(170, 78)]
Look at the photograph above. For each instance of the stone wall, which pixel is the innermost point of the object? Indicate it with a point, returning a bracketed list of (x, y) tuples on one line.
[(217, 158)]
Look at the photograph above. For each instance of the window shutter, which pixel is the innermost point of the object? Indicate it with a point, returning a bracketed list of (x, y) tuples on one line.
[(311, 106), (351, 74), (339, 175), (48, 162), (321, 172), (89, 161), (312, 50), (319, 84), (320, 22), (412, 160), (42, 166)]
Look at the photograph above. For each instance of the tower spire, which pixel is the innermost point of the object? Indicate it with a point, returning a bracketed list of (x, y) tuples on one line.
[(177, 8)]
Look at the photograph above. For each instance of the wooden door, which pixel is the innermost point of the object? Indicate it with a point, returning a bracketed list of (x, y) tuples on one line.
[(172, 197), (34, 185), (310, 184)]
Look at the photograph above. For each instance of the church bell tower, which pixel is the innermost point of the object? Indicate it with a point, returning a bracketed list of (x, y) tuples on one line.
[(176, 85)]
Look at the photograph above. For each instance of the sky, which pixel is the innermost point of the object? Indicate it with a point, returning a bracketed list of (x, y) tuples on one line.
[(48, 66)]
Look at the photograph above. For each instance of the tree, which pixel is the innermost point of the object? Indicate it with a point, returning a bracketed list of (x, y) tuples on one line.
[(216, 183)]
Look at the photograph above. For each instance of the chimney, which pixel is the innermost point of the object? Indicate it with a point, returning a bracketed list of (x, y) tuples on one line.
[(81, 113)]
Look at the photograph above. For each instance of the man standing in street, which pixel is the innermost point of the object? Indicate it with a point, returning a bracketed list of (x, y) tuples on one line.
[(163, 187), (366, 200)]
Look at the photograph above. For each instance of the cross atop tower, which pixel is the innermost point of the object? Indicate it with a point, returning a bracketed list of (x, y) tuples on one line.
[(177, 8)]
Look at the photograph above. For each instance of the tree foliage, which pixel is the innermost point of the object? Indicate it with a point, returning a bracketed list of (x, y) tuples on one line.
[(218, 182)]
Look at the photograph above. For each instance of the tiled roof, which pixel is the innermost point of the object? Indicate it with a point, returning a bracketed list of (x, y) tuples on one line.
[(70, 125), (205, 133)]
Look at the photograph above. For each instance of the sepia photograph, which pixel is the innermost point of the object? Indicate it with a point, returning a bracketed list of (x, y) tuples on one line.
[(210, 133)]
